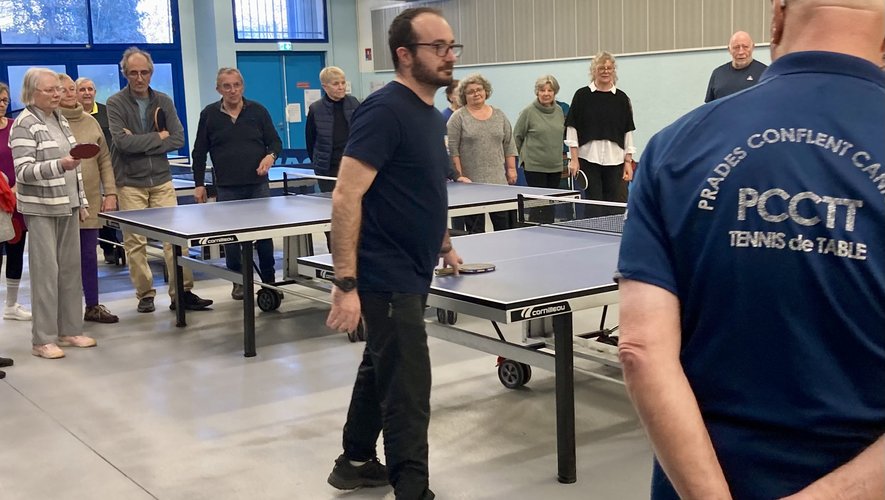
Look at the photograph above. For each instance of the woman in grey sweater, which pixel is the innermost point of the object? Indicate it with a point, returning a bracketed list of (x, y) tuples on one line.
[(50, 195), (481, 146)]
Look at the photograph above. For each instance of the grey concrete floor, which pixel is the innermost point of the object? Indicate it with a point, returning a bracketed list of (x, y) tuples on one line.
[(161, 412)]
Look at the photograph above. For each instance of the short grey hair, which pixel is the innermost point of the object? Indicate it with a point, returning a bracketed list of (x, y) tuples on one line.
[(598, 60), (330, 73), (131, 51), (473, 79), (547, 80), (82, 80), (29, 83), (228, 71)]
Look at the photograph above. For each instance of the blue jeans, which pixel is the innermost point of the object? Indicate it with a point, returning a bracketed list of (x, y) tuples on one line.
[(392, 391), (265, 247)]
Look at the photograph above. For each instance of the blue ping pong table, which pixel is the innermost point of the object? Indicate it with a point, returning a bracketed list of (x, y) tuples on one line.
[(543, 273), (246, 221), (278, 177)]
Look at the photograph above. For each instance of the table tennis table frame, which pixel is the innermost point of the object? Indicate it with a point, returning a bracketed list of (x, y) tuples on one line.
[(246, 239)]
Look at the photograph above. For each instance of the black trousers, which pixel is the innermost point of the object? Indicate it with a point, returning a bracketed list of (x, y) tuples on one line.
[(392, 391), (606, 183), (327, 187), (477, 223), (14, 256), (551, 180)]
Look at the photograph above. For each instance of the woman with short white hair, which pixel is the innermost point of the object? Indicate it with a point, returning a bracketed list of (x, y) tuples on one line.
[(538, 135), (50, 195)]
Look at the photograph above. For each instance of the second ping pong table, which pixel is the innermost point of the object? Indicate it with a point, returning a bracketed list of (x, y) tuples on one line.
[(246, 221), (543, 274)]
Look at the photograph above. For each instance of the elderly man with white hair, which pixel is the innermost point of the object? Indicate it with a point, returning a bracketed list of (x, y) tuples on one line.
[(752, 274), (740, 73)]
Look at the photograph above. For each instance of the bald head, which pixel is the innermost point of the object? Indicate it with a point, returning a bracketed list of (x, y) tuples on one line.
[(852, 27), (740, 46)]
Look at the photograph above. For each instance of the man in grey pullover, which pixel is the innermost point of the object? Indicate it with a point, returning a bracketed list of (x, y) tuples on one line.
[(145, 126)]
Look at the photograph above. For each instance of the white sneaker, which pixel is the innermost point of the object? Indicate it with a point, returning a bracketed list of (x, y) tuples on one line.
[(16, 312)]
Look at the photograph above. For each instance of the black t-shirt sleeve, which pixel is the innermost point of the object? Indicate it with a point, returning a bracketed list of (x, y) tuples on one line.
[(374, 134)]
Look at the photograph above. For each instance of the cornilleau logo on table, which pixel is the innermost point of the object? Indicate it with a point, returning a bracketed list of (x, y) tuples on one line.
[(325, 275), (215, 240), (541, 311)]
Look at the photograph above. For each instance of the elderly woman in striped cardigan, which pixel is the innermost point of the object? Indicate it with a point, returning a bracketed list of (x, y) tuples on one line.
[(50, 195)]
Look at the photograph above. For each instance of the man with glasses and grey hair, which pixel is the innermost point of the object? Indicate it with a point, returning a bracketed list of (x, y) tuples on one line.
[(144, 127)]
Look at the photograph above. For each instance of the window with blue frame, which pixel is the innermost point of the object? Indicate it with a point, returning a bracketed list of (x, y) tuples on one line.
[(86, 38), (83, 22), (284, 20)]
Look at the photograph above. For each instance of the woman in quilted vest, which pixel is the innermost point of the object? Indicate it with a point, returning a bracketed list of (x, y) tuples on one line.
[(50, 195)]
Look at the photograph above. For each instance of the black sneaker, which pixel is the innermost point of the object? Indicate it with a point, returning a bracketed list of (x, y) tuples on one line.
[(146, 305), (193, 302), (4, 362), (237, 292), (345, 476), (2, 374)]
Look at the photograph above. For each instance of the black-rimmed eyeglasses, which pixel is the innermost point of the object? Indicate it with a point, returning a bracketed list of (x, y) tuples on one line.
[(441, 48)]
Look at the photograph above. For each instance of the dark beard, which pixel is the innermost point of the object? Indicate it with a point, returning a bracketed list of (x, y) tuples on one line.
[(423, 74)]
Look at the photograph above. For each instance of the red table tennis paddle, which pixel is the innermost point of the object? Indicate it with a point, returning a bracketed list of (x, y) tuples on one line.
[(476, 268), (84, 151)]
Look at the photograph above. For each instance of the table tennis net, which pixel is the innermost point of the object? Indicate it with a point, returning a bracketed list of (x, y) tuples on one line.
[(572, 213)]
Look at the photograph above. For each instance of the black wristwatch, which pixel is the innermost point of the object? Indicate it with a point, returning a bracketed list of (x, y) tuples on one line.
[(346, 284)]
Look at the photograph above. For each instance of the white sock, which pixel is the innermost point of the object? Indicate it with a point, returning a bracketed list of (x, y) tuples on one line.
[(357, 463), (11, 292)]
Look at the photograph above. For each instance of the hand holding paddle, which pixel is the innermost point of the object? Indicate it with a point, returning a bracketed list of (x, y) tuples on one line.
[(69, 162), (160, 120), (451, 260)]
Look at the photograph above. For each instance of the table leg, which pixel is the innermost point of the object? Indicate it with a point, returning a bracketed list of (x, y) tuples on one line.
[(565, 398), (180, 319), (248, 299)]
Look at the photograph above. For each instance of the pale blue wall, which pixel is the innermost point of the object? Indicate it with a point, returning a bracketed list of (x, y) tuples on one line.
[(662, 87)]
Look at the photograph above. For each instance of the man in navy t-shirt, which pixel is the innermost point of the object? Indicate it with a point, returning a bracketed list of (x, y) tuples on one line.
[(740, 73), (389, 212), (752, 274)]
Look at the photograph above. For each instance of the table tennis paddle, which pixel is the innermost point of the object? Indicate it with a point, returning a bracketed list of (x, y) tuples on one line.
[(84, 151), (160, 119), (475, 268)]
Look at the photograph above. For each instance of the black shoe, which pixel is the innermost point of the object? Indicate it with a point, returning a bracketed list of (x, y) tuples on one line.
[(237, 292), (345, 476), (146, 305), (193, 302), (110, 257), (6, 362), (2, 374)]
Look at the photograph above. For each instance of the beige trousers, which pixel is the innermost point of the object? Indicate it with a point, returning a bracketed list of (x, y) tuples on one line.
[(134, 198)]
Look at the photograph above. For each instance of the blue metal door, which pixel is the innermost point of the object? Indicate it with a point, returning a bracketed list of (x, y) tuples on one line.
[(279, 79), (302, 73)]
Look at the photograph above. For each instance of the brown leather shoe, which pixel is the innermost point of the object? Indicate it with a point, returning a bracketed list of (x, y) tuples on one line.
[(77, 341), (48, 351), (99, 314)]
